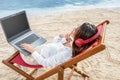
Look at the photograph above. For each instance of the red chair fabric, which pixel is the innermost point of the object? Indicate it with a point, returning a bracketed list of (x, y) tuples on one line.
[(18, 60)]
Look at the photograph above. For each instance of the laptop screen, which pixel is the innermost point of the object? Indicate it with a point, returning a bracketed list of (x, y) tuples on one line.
[(14, 24)]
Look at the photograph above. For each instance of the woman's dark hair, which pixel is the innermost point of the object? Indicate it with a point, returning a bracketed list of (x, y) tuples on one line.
[(85, 31)]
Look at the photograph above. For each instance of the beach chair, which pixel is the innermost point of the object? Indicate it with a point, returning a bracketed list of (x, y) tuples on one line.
[(72, 63)]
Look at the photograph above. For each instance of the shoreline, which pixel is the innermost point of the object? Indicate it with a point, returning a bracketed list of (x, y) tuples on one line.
[(49, 11), (102, 66)]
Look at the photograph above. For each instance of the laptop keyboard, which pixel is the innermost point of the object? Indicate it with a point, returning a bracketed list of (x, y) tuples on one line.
[(31, 38)]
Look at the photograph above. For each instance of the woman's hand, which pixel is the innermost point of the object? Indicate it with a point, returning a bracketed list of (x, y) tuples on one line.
[(66, 36), (27, 47)]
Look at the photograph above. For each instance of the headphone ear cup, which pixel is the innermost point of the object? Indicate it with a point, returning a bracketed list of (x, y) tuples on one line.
[(79, 42)]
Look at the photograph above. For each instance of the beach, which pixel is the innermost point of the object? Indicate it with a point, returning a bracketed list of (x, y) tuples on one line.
[(104, 65)]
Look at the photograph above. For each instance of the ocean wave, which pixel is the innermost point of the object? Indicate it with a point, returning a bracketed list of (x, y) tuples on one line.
[(21, 4), (52, 6)]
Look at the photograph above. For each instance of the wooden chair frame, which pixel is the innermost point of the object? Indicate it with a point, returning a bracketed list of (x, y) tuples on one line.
[(60, 68)]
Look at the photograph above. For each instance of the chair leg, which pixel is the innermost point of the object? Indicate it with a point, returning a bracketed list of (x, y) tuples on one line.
[(32, 72), (18, 70), (79, 72), (71, 73), (61, 74)]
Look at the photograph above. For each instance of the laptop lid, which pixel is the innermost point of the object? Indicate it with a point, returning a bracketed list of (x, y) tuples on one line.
[(15, 25)]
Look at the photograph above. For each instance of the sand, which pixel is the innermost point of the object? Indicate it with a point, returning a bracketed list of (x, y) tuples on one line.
[(102, 66)]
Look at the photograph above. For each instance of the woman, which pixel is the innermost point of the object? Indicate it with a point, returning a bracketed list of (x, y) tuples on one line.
[(63, 47)]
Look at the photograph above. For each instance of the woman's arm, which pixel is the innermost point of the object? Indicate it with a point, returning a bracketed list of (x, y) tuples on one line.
[(53, 60)]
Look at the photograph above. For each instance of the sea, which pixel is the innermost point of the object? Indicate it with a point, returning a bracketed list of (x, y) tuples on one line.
[(47, 7)]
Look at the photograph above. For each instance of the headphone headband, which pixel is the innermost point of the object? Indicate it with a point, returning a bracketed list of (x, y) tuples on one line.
[(80, 42)]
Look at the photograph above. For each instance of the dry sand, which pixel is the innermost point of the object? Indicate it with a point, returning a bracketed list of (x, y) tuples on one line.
[(102, 66)]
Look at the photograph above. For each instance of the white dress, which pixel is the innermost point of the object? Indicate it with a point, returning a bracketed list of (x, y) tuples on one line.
[(51, 54)]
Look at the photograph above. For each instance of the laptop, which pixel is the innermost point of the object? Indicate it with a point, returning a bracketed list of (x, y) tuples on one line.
[(17, 31)]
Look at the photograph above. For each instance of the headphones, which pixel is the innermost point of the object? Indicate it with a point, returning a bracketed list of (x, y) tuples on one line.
[(80, 42)]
